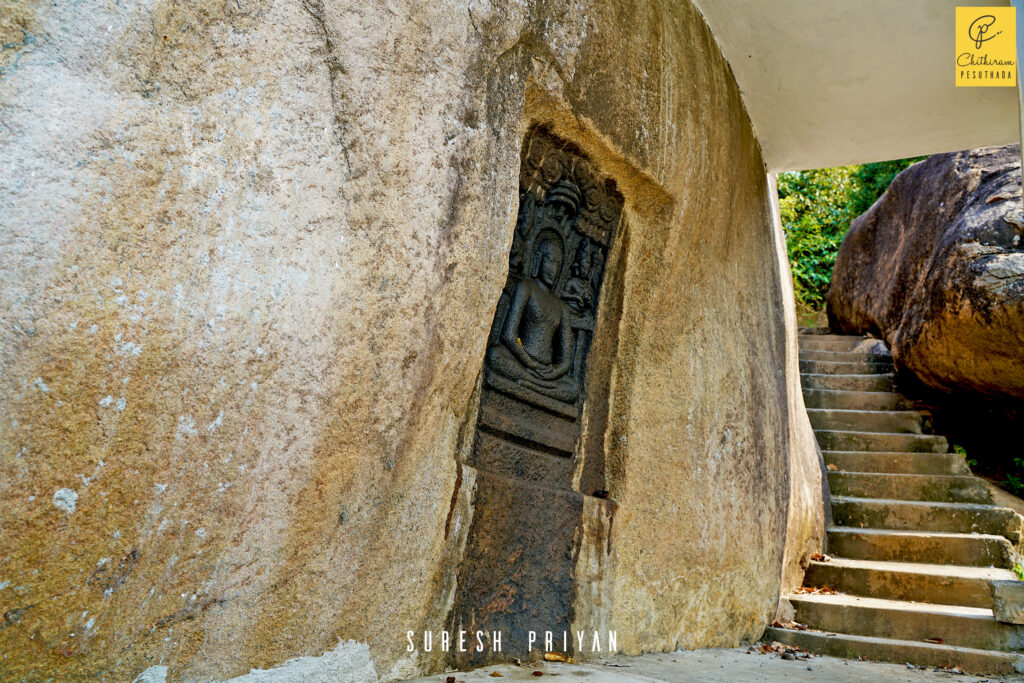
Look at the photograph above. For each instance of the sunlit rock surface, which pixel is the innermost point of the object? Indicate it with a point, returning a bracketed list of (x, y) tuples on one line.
[(936, 268), (251, 255)]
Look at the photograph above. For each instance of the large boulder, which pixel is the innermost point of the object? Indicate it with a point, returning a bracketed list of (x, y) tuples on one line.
[(251, 255), (936, 268)]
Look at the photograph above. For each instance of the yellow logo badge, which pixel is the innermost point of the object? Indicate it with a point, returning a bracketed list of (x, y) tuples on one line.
[(986, 46)]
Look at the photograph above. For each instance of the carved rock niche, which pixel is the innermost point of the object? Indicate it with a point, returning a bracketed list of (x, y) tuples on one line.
[(536, 361), (530, 524)]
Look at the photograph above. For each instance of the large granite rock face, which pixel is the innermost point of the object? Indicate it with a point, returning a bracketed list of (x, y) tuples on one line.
[(252, 252), (936, 268), (807, 517)]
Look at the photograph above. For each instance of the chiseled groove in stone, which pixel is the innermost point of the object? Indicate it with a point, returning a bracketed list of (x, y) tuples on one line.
[(516, 439)]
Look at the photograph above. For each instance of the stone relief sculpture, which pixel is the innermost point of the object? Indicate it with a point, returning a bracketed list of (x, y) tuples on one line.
[(528, 452), (545, 317), (536, 342)]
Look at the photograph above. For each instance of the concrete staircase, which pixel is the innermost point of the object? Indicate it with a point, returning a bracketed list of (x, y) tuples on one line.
[(916, 540)]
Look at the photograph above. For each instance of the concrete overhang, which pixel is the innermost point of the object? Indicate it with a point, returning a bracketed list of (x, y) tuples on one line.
[(835, 82)]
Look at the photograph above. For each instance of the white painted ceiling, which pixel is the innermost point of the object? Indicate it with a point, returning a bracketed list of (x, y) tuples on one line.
[(834, 82)]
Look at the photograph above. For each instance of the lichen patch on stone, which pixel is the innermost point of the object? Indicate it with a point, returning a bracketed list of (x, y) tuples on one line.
[(66, 499)]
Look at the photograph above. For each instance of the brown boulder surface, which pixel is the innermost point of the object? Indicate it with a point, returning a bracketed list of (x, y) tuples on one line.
[(936, 268), (252, 252)]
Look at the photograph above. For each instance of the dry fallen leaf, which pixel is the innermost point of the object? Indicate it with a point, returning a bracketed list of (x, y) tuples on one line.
[(936, 641), (554, 656), (791, 625), (538, 673), (815, 590), (818, 557), (497, 674), (832, 467)]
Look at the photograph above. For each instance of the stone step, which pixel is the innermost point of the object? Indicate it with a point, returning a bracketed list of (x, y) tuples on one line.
[(842, 440), (846, 356), (971, 660), (817, 333), (934, 583), (897, 463), (972, 627), (912, 515), (887, 421), (831, 342), (828, 367), (856, 400), (863, 345), (925, 487), (978, 550), (827, 344), (883, 382)]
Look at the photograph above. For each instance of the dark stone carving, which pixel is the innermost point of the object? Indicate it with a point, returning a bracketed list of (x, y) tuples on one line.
[(545, 318), (518, 572)]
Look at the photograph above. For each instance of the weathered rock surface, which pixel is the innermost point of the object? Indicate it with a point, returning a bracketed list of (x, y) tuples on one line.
[(252, 252), (807, 519), (1008, 601), (936, 268)]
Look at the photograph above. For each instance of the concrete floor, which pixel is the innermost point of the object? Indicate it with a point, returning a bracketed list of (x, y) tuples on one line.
[(718, 666)]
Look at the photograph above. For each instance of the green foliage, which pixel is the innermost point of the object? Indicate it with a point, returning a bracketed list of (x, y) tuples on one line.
[(817, 207), (1019, 571), (960, 450), (1014, 481), (815, 216), (871, 180)]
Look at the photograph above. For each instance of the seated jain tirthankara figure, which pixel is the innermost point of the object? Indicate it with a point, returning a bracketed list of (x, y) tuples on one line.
[(536, 342), (545, 318), (531, 462)]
